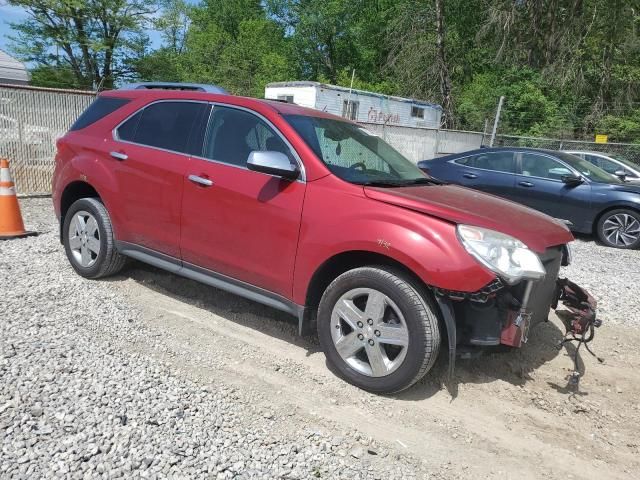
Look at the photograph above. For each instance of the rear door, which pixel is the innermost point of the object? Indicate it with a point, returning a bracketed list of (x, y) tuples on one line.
[(491, 172), (149, 156), (539, 185), (237, 222)]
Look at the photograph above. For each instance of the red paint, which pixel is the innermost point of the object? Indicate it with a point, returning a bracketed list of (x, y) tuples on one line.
[(276, 234)]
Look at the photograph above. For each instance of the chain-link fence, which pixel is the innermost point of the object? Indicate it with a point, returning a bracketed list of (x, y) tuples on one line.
[(629, 151), (31, 119)]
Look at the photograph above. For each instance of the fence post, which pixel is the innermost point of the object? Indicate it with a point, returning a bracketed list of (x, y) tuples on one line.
[(495, 123)]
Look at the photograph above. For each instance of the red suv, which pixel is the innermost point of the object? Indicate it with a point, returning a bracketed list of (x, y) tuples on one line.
[(307, 213)]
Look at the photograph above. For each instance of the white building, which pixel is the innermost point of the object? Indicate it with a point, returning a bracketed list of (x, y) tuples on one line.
[(12, 71), (358, 105)]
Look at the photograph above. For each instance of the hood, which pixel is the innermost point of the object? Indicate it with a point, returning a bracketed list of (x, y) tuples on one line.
[(463, 205)]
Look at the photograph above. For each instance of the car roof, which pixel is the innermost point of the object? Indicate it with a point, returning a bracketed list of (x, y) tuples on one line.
[(500, 149), (282, 108), (590, 152)]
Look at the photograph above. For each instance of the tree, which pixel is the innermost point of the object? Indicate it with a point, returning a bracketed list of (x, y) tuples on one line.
[(443, 67), (94, 39)]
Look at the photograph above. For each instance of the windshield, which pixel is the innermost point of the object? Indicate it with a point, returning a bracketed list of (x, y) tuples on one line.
[(355, 154), (587, 169)]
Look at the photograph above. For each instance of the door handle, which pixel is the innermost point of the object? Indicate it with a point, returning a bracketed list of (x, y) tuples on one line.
[(205, 182), (526, 184), (119, 155), (469, 175)]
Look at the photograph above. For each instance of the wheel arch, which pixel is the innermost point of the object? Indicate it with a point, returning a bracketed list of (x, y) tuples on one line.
[(341, 262), (72, 192), (596, 221)]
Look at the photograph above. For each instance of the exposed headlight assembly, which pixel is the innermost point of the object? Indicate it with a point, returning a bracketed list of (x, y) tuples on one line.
[(508, 257)]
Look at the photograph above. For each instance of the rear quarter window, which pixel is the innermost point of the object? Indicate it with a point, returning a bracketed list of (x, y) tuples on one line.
[(100, 108)]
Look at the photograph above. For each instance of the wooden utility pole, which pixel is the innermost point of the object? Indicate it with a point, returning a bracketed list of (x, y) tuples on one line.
[(496, 121)]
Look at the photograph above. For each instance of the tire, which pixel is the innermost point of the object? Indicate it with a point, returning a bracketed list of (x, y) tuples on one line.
[(619, 228), (97, 241), (408, 320)]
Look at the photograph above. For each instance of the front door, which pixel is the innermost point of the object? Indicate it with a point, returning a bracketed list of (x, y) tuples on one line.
[(237, 222), (539, 185)]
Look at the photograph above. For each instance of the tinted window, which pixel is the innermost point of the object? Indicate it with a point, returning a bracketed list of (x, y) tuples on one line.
[(233, 134), (534, 165), (127, 131), (100, 108), (164, 125), (496, 161), (608, 165), (463, 161)]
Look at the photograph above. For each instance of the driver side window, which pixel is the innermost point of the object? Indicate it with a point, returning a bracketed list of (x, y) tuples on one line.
[(232, 134), (541, 166)]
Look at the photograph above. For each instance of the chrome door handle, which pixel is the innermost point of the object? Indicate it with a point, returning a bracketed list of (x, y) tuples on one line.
[(205, 182), (526, 184), (119, 155), (470, 175)]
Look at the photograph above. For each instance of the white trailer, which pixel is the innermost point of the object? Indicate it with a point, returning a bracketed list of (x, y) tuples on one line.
[(358, 105)]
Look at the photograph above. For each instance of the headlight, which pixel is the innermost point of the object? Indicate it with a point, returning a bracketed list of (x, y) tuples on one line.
[(506, 256)]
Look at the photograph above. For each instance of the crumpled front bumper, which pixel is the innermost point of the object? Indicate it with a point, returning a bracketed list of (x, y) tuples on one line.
[(501, 314)]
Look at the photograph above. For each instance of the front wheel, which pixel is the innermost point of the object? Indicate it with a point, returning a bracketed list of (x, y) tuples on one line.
[(377, 331), (620, 228)]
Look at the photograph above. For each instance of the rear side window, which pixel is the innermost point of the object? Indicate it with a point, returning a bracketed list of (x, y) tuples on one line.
[(496, 161), (100, 108), (165, 125)]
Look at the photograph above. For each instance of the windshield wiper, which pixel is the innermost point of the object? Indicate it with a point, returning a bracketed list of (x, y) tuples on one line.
[(423, 181)]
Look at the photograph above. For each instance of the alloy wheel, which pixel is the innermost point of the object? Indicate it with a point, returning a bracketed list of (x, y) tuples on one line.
[(84, 238), (621, 229), (369, 332)]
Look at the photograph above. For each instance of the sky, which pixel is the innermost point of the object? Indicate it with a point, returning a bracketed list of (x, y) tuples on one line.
[(10, 14)]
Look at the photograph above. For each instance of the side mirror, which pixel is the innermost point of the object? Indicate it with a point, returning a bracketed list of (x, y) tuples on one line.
[(572, 179), (272, 163), (621, 174)]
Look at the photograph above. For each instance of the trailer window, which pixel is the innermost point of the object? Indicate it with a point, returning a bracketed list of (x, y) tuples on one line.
[(417, 112), (350, 109)]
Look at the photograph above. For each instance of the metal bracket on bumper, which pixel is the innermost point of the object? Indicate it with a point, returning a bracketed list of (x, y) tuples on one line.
[(447, 313)]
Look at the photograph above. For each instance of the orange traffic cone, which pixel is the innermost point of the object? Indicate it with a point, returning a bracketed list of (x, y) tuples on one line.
[(11, 225)]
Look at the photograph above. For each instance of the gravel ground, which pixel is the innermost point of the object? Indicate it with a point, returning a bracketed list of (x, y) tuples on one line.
[(81, 396), (74, 404), (611, 275)]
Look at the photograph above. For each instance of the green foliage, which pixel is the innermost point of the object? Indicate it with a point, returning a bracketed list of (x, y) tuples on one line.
[(621, 128), (566, 67), (96, 40)]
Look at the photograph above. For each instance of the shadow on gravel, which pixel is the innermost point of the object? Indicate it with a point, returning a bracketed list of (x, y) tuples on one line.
[(232, 307), (510, 365)]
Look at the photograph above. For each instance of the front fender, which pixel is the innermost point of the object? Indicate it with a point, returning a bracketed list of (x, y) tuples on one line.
[(344, 220)]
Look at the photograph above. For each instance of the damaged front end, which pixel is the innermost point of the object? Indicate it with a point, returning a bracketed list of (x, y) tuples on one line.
[(503, 311)]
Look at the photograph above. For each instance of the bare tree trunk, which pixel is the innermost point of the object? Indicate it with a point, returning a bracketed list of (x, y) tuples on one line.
[(443, 68)]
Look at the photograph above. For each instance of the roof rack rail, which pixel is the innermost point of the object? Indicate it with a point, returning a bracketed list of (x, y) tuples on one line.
[(196, 87)]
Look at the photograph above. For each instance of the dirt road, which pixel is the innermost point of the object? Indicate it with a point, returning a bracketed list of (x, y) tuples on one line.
[(513, 415)]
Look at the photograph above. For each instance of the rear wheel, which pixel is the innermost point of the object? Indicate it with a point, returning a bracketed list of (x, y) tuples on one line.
[(620, 228), (88, 239), (377, 331)]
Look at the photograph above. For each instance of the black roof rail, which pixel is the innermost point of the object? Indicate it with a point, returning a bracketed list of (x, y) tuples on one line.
[(197, 87)]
